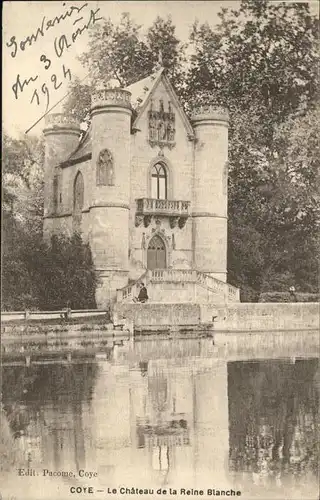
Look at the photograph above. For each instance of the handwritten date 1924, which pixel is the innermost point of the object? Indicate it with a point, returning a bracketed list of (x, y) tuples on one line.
[(45, 90)]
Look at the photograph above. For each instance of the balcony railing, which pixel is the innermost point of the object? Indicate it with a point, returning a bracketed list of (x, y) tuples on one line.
[(180, 275), (153, 206), (156, 276)]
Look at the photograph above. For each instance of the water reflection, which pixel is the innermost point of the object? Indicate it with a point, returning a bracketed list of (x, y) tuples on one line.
[(170, 413), (275, 441)]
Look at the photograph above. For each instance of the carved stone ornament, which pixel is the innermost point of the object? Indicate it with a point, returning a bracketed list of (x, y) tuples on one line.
[(56, 119), (107, 96), (210, 111), (173, 242), (105, 168), (138, 220), (143, 241), (182, 222), (190, 137), (147, 220), (158, 222), (161, 126), (173, 222)]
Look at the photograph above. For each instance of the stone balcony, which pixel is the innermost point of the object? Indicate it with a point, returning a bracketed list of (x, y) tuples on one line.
[(176, 210)]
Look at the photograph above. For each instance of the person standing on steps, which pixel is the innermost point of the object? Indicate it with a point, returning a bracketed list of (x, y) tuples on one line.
[(143, 294)]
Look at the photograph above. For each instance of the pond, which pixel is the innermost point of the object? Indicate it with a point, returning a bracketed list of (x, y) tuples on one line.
[(161, 416)]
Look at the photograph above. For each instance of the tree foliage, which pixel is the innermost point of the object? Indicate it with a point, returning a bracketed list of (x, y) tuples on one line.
[(121, 54), (259, 61), (34, 274), (22, 186), (264, 54), (41, 276)]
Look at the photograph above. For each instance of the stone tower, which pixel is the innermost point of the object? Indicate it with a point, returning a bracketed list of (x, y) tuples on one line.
[(61, 135), (109, 212), (210, 190), (146, 187)]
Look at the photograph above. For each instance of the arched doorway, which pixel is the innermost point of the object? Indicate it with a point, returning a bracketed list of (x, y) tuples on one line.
[(156, 256)]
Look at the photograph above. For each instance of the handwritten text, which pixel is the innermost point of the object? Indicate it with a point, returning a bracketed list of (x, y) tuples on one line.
[(41, 30)]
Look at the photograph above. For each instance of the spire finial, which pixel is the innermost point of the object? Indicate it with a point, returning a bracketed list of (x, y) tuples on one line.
[(160, 60)]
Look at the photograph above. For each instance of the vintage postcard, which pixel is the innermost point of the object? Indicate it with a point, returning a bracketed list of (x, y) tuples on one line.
[(160, 221)]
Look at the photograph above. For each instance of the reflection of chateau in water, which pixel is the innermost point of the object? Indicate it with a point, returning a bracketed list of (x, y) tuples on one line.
[(159, 417), (150, 419)]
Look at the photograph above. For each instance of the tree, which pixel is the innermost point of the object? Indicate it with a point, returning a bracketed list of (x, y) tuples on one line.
[(260, 62), (37, 275), (64, 273), (119, 53), (263, 54), (23, 181), (274, 205), (295, 203), (22, 213)]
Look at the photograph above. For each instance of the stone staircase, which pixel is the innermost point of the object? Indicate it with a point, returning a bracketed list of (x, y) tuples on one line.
[(180, 285)]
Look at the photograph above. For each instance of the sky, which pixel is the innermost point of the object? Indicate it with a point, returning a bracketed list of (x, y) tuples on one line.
[(48, 74)]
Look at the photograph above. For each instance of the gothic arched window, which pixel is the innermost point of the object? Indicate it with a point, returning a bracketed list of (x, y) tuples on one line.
[(55, 192), (159, 180), (78, 200), (105, 168)]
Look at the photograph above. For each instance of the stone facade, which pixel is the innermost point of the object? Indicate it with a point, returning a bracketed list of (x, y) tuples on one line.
[(146, 186)]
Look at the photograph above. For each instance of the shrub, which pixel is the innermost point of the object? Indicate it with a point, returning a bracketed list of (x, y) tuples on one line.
[(49, 277), (287, 297)]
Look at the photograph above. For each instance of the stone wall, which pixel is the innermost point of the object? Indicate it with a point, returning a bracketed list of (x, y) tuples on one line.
[(172, 291), (179, 159), (158, 314), (179, 162), (245, 317), (267, 316), (210, 195), (177, 242)]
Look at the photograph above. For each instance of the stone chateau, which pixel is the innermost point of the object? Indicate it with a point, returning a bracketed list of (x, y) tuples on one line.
[(147, 187)]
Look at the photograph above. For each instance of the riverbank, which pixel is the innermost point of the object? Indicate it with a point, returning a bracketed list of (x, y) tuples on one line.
[(234, 317), (153, 318)]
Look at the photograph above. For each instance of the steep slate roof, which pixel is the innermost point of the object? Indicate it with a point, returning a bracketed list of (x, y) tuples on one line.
[(141, 90), (140, 95), (83, 151)]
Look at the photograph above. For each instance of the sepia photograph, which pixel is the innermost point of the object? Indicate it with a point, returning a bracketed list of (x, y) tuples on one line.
[(160, 250)]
